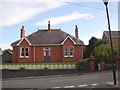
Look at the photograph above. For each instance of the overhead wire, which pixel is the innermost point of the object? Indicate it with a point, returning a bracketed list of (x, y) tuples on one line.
[(88, 6)]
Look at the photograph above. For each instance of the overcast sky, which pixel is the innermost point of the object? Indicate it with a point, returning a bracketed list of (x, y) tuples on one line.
[(90, 16)]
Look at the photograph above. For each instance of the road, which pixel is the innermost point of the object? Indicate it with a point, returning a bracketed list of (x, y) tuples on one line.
[(90, 80)]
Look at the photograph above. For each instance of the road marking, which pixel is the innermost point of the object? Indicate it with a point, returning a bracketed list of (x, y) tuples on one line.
[(56, 87), (83, 85), (110, 83), (94, 84), (69, 86)]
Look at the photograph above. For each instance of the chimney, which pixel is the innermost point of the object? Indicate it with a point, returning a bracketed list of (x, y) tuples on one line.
[(76, 31), (48, 25), (22, 32)]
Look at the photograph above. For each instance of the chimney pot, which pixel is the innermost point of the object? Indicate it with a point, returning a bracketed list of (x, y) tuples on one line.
[(76, 31), (22, 27), (48, 25), (22, 32)]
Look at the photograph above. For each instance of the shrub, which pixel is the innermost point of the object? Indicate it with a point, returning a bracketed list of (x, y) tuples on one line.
[(83, 65)]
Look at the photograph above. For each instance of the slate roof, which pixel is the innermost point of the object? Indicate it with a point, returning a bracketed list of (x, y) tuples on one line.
[(55, 36), (114, 34), (7, 51)]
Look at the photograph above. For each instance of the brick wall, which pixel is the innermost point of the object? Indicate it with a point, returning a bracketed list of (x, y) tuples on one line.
[(36, 53)]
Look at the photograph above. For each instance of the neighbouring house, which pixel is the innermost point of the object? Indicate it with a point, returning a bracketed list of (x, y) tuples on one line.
[(48, 45), (115, 39), (0, 55), (7, 56)]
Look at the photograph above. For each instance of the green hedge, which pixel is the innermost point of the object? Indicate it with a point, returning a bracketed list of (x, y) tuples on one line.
[(83, 65)]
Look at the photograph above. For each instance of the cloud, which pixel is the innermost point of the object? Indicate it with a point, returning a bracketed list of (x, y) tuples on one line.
[(4, 46), (63, 19), (14, 15), (57, 0), (17, 12)]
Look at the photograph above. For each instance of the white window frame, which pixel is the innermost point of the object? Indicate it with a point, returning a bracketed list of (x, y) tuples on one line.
[(66, 51), (71, 47), (21, 52), (47, 49), (26, 52)]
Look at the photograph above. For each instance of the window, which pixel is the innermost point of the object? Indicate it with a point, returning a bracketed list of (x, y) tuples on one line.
[(21, 52), (66, 51), (46, 51), (71, 51), (24, 52)]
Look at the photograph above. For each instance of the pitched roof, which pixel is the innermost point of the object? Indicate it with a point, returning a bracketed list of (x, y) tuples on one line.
[(114, 34), (55, 36), (7, 51)]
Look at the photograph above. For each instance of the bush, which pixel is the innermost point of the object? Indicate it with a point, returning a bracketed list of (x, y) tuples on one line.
[(83, 65)]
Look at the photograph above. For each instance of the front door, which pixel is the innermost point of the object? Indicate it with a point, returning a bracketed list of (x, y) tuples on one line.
[(46, 54)]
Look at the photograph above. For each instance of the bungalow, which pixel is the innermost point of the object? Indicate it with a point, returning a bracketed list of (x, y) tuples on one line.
[(48, 45)]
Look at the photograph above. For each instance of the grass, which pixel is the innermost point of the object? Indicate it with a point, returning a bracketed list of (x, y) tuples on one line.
[(43, 63)]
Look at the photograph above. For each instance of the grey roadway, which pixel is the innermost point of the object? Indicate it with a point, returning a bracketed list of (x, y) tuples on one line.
[(89, 80)]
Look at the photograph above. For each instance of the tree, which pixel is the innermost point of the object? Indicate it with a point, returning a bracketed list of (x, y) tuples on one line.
[(102, 51), (93, 42)]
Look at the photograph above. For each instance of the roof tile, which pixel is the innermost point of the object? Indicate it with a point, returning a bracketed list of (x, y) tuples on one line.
[(55, 36)]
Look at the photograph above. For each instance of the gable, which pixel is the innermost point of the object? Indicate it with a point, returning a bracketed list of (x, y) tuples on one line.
[(68, 38), (7, 53), (104, 37), (25, 40)]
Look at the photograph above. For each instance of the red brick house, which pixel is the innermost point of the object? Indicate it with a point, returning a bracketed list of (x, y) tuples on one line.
[(48, 45)]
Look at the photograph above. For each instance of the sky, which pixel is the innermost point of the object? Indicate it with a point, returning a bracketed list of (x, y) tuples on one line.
[(88, 15)]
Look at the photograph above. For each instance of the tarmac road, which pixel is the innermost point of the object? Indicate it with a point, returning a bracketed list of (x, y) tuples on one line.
[(89, 80)]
